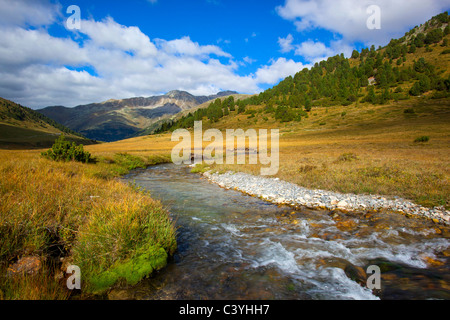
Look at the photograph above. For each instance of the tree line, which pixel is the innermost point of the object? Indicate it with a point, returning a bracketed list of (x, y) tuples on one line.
[(372, 75)]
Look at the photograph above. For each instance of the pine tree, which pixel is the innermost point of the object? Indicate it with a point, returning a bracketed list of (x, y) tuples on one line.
[(355, 54)]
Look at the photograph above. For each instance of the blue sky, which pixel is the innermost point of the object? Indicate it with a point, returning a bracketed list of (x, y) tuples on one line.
[(243, 28), (149, 47)]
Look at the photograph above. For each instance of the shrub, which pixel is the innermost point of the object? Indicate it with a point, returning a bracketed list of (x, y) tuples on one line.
[(422, 139), (63, 150), (434, 36), (306, 168), (129, 161), (241, 108), (284, 114), (347, 157)]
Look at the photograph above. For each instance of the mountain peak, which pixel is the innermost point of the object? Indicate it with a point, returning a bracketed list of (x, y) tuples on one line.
[(226, 93), (176, 94), (119, 119)]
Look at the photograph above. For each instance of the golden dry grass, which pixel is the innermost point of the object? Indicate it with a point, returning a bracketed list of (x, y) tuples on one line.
[(369, 149), (80, 211)]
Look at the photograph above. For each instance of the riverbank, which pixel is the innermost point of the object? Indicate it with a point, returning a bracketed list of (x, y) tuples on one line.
[(54, 214), (237, 247), (281, 192)]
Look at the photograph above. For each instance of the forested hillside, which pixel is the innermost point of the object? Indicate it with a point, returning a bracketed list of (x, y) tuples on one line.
[(414, 65), (22, 127), (14, 114)]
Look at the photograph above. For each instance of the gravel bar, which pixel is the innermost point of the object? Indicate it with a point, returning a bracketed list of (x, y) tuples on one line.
[(281, 192)]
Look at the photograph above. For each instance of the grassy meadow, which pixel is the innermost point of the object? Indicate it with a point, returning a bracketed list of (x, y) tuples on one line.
[(365, 149), (361, 148), (118, 234)]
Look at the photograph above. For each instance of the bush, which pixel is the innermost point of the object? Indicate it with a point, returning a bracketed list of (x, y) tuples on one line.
[(345, 157), (129, 161), (63, 150), (306, 168), (422, 139), (284, 114), (434, 36)]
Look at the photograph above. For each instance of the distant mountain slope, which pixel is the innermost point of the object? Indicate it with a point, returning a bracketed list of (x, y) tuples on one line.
[(22, 127), (114, 120), (185, 113), (416, 65)]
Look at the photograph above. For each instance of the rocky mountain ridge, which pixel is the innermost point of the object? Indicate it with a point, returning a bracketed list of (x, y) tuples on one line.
[(114, 120)]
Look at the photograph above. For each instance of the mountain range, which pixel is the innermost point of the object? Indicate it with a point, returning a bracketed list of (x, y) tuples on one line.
[(114, 120)]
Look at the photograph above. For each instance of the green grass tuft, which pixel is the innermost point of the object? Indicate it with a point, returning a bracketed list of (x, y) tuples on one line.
[(422, 139)]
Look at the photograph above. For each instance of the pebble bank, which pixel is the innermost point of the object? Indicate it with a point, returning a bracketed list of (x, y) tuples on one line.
[(282, 192)]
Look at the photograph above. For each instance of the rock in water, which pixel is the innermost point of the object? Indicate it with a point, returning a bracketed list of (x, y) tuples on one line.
[(356, 274)]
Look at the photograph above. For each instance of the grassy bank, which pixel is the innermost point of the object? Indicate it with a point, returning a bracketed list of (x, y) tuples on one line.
[(365, 149), (71, 212)]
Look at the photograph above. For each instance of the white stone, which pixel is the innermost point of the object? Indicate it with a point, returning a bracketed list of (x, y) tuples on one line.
[(342, 204)]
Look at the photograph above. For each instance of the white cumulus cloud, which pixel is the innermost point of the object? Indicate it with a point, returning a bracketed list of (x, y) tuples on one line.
[(286, 43), (278, 70), (105, 59), (28, 12), (349, 18)]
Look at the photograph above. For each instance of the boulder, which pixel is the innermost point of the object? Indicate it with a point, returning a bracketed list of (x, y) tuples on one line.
[(30, 265), (356, 274)]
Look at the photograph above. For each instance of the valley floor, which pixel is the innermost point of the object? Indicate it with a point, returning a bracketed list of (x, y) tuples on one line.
[(361, 149)]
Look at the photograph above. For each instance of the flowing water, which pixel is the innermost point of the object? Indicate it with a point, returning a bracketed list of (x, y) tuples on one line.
[(234, 246)]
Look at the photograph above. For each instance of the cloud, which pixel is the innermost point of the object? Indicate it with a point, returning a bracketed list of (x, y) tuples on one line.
[(20, 47), (37, 69), (249, 60), (28, 12), (277, 70), (348, 17), (111, 35), (226, 41), (253, 35), (286, 43), (106, 60), (186, 47), (312, 50)]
